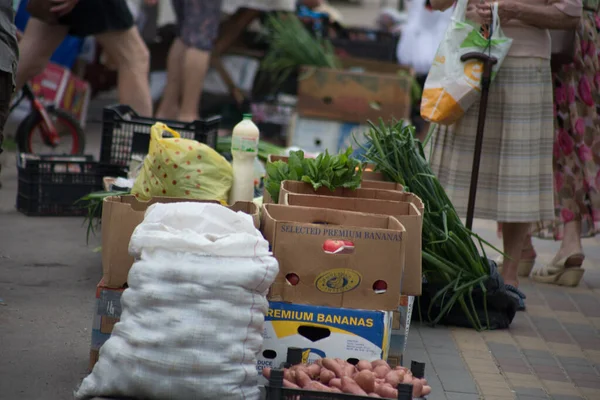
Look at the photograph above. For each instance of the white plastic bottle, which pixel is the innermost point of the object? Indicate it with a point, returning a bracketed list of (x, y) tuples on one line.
[(244, 149)]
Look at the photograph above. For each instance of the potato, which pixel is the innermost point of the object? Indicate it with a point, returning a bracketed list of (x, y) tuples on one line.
[(366, 380), (335, 390), (336, 383), (266, 372), (377, 363), (381, 370), (424, 381), (350, 386), (417, 388), (313, 370), (362, 365), (326, 375), (289, 375), (393, 378), (299, 367), (290, 385), (334, 366), (426, 390), (302, 379), (373, 395), (319, 362), (408, 379), (314, 385), (349, 369), (386, 391)]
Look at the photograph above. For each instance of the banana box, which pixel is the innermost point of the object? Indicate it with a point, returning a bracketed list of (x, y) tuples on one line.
[(323, 332)]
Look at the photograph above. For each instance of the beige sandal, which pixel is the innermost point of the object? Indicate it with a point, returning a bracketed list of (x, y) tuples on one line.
[(564, 272)]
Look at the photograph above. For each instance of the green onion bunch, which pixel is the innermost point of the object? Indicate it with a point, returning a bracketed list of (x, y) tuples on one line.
[(451, 259)]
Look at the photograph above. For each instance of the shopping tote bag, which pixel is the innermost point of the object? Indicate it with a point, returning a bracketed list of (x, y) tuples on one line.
[(452, 86)]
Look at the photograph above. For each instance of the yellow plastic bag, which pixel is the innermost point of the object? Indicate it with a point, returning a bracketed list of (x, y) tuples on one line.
[(177, 167)]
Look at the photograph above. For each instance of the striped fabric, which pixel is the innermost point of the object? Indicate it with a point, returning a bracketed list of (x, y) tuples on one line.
[(515, 177)]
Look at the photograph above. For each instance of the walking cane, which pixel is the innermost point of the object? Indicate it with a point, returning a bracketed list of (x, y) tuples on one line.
[(486, 79)]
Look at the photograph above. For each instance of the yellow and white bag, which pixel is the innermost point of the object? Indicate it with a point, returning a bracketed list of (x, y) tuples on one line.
[(452, 85)]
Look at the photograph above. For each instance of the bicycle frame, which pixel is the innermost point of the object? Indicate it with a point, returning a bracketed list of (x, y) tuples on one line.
[(49, 133)]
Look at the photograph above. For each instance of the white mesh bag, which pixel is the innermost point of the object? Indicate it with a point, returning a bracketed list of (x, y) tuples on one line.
[(194, 311)]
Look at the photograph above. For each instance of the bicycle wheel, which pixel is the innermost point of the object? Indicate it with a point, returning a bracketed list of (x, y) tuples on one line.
[(31, 140)]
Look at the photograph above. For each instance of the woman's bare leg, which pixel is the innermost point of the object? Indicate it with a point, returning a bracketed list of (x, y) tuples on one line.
[(36, 47), (514, 235), (571, 242), (128, 50), (171, 98), (195, 67)]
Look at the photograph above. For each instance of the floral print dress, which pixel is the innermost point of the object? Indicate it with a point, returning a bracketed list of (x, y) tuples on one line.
[(577, 141)]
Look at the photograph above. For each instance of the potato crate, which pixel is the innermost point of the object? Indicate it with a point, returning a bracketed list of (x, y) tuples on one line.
[(125, 133), (51, 185), (275, 389)]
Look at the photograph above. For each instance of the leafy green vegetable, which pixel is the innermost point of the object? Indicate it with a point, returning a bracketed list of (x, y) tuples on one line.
[(330, 171), (451, 259)]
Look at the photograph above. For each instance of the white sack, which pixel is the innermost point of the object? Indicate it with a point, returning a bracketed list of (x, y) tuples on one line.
[(421, 36), (193, 314)]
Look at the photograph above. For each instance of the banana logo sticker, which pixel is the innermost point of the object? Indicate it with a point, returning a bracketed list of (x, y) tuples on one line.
[(310, 355)]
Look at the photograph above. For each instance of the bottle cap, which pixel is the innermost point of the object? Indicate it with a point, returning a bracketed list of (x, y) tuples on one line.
[(294, 355), (247, 116), (405, 391)]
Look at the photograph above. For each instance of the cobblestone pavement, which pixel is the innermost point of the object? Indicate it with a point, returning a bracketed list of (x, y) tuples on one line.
[(551, 351)]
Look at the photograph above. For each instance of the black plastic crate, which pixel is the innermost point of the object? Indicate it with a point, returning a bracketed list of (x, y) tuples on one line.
[(50, 185), (125, 133), (276, 391)]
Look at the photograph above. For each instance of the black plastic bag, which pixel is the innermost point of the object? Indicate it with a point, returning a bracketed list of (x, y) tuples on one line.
[(501, 306)]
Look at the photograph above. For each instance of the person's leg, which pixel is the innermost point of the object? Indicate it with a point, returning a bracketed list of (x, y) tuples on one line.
[(514, 235), (36, 47), (170, 102), (128, 50), (171, 97), (198, 32), (571, 243)]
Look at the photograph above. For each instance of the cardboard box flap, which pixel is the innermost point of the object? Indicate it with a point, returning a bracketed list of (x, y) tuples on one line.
[(384, 207), (325, 216), (335, 258), (375, 194)]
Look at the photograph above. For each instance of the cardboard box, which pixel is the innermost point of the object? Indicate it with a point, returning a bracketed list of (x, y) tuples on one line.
[(362, 193), (120, 216), (335, 258), (323, 332), (368, 184), (357, 97), (400, 328), (107, 313), (406, 213), (316, 135)]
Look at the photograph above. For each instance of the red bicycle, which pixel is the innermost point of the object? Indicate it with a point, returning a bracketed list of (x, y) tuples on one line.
[(47, 129)]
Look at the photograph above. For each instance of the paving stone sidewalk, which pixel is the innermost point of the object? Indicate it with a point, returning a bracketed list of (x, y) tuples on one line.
[(551, 351)]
